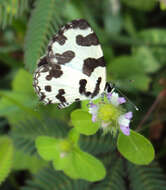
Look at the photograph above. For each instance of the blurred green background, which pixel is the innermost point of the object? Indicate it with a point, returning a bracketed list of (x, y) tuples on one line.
[(133, 38)]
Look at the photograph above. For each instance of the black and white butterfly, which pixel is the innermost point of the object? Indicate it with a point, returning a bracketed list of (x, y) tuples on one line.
[(73, 68)]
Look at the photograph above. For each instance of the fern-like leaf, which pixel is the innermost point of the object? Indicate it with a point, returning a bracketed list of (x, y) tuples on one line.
[(44, 22), (146, 177), (24, 135), (49, 179), (97, 143), (115, 174), (10, 9)]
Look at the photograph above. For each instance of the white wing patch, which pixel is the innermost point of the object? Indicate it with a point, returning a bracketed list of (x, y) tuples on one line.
[(73, 68)]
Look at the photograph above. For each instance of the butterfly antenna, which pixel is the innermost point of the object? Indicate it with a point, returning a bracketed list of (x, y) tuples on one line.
[(136, 108)]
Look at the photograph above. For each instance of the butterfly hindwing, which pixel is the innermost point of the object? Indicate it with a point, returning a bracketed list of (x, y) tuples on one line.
[(55, 84)]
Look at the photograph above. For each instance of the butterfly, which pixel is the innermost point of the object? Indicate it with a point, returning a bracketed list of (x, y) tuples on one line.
[(73, 68)]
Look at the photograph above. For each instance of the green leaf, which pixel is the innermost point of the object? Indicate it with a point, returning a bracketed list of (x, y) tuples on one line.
[(47, 147), (25, 133), (67, 156), (146, 177), (10, 10), (141, 4), (42, 24), (23, 82), (72, 11), (136, 148), (121, 73), (140, 82), (119, 67), (82, 121), (156, 42), (81, 165), (6, 155), (20, 100), (14, 105), (22, 161), (50, 179), (73, 136), (145, 56)]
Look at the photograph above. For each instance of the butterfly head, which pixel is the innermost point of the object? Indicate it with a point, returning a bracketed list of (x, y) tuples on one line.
[(109, 87)]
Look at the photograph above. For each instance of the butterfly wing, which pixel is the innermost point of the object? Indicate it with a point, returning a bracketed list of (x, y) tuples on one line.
[(73, 68), (60, 84), (77, 46)]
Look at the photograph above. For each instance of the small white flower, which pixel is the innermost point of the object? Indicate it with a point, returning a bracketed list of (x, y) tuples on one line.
[(115, 99), (93, 109), (124, 122), (111, 115)]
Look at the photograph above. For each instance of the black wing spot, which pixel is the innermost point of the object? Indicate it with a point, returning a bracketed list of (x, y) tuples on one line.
[(82, 88), (77, 99), (79, 23), (91, 63), (42, 61), (54, 71), (97, 87), (48, 88), (65, 57), (60, 38), (88, 40), (60, 96)]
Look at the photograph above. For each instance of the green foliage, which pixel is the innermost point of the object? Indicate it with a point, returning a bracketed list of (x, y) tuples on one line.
[(22, 161), (49, 179), (20, 100), (82, 165), (114, 179), (136, 148), (132, 36), (156, 42), (98, 143), (120, 71), (10, 9), (141, 4), (146, 177), (43, 23), (22, 79), (83, 123), (21, 103), (139, 178), (147, 59), (67, 156), (25, 133), (6, 156), (162, 6)]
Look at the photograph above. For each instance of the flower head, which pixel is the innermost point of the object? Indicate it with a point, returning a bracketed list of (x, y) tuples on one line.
[(111, 114)]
